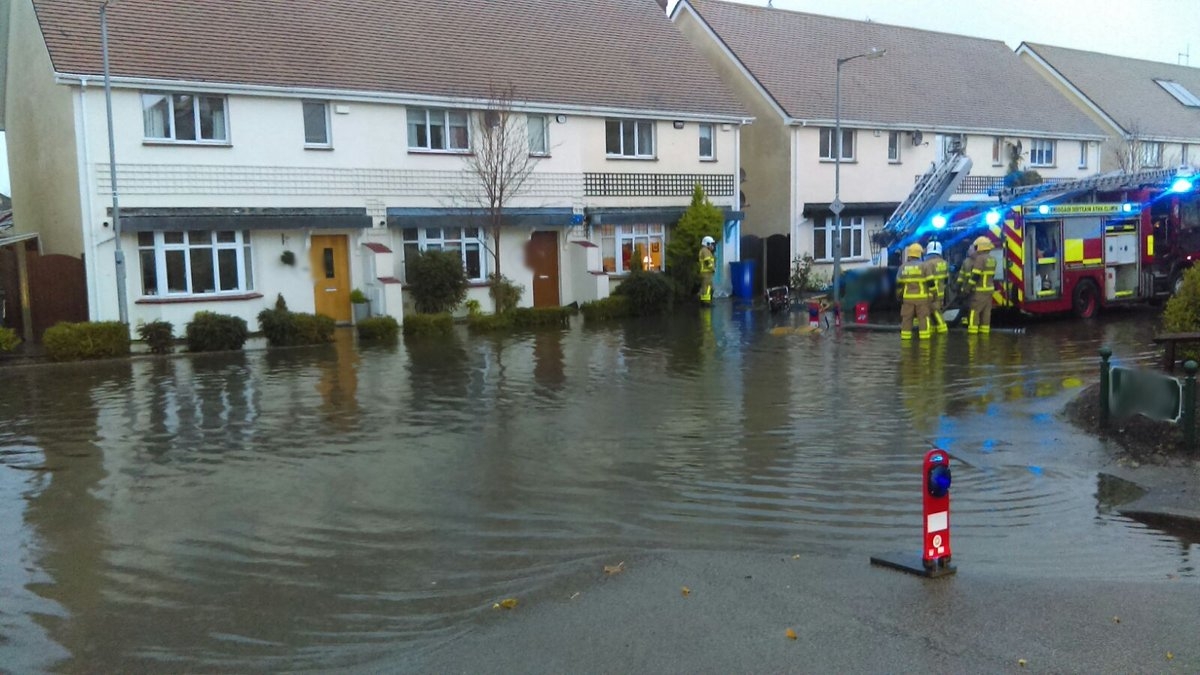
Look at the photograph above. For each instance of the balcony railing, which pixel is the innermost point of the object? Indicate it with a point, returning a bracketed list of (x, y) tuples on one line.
[(656, 184)]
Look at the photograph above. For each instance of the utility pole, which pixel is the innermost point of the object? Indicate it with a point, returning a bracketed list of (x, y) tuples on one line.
[(118, 253)]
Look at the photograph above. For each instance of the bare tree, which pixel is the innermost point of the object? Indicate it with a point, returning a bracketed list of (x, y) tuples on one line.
[(500, 164), (1129, 152)]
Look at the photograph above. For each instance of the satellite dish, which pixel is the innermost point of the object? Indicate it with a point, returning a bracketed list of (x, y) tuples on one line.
[(917, 137)]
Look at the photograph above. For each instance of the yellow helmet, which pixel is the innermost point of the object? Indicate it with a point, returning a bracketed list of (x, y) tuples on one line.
[(984, 244), (914, 251)]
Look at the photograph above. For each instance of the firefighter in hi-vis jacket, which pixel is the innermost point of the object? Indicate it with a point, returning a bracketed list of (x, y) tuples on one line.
[(708, 265), (913, 288), (937, 271), (978, 273)]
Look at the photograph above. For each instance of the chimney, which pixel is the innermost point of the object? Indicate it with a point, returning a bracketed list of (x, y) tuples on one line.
[(663, 5)]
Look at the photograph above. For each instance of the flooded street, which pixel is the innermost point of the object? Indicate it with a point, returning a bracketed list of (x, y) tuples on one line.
[(327, 507)]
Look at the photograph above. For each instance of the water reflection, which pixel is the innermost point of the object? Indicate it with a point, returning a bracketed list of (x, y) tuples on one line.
[(316, 507)]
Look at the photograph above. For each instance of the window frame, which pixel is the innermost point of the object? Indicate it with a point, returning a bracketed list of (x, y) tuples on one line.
[(1083, 154), (637, 137), (1046, 145), (823, 145), (614, 237), (855, 230), (997, 151), (197, 122), (424, 242), (328, 142), (159, 248), (894, 143), (446, 128), (545, 135), (712, 141), (1183, 153)]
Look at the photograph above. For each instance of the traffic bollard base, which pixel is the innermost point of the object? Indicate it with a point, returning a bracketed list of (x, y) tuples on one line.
[(913, 563)]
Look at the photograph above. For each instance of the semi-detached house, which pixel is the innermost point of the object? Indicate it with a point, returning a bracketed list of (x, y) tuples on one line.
[(1150, 110), (899, 114), (307, 148)]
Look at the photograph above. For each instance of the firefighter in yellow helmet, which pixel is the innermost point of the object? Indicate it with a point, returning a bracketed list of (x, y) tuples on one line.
[(912, 285), (708, 265), (938, 273), (979, 273)]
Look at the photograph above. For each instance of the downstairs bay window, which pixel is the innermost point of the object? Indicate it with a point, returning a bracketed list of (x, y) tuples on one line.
[(195, 263), (467, 242), (620, 245)]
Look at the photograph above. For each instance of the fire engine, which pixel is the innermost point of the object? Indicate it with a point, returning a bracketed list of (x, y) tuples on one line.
[(1069, 246)]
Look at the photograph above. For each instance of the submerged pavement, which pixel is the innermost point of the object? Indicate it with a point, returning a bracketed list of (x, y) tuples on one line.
[(847, 617)]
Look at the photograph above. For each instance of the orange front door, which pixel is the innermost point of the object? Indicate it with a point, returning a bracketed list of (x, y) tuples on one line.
[(543, 260), (330, 260)]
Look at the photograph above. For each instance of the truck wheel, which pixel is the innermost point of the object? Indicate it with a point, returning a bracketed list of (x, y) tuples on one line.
[(1085, 301), (1177, 283)]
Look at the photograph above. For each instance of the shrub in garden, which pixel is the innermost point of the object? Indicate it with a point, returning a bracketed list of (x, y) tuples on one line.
[(87, 340), (649, 293), (522, 317), (285, 328), (382, 328), (420, 325), (159, 336), (702, 219), (1182, 313), (505, 294), (212, 332), (8, 339), (437, 281), (612, 307)]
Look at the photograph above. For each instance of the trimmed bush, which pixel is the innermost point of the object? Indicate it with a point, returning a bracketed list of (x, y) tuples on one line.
[(505, 294), (649, 293), (158, 335), (521, 318), (437, 281), (612, 307), (382, 328), (420, 325), (1182, 313), (8, 339), (212, 332), (284, 328), (79, 341)]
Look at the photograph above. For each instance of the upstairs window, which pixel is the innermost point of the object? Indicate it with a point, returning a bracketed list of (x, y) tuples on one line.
[(1083, 148), (629, 138), (894, 147), (1041, 152), (707, 142), (829, 147), (997, 151), (1151, 155), (439, 130), (539, 135), (316, 124), (184, 118)]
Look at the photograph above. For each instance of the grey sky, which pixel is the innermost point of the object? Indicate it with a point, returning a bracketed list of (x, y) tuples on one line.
[(1157, 30)]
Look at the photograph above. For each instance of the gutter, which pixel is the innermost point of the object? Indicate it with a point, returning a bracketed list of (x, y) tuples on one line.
[(367, 96), (941, 129)]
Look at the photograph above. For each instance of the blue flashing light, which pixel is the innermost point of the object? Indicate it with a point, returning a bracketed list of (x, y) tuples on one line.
[(992, 217), (939, 221), (1181, 185), (938, 482), (1043, 209), (1127, 207)]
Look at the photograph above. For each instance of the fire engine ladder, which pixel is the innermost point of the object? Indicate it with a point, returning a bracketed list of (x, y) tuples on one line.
[(931, 192), (1104, 182)]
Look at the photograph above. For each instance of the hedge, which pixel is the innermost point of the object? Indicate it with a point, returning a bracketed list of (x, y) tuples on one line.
[(87, 340), (521, 317), (285, 328), (612, 307), (383, 328), (212, 332), (417, 324)]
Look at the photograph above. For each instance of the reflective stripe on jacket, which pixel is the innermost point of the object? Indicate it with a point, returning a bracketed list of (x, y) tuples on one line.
[(911, 279), (938, 272), (708, 262), (983, 271)]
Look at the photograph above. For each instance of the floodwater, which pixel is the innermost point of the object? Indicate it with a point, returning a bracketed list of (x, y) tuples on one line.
[(321, 508)]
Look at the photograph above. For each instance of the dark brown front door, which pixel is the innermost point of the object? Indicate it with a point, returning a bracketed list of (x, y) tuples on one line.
[(543, 260)]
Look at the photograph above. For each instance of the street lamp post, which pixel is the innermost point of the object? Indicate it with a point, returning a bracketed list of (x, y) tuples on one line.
[(836, 206), (118, 252)]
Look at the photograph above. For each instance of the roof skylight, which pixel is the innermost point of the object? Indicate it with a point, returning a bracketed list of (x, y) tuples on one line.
[(1180, 93)]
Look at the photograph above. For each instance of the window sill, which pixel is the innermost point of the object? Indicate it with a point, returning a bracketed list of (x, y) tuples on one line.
[(997, 163), (631, 158), (710, 160), (830, 160), (894, 161), (172, 300), (1043, 166), (405, 286), (190, 144), (625, 275), (829, 261), (455, 153), (327, 148), (539, 155)]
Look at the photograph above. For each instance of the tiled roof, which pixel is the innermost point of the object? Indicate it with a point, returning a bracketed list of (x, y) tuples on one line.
[(610, 54), (926, 79), (1125, 89)]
